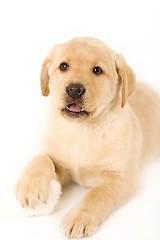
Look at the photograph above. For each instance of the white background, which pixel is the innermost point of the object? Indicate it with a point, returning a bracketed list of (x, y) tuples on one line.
[(28, 30)]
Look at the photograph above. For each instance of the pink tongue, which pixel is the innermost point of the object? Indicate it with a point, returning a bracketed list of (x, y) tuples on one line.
[(75, 108)]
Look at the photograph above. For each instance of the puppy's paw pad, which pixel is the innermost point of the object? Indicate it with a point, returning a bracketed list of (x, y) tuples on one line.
[(45, 208)]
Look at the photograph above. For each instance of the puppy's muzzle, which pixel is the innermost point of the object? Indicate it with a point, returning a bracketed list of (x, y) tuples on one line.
[(75, 90), (74, 102)]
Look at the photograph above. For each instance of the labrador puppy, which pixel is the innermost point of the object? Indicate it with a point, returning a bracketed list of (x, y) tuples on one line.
[(102, 127)]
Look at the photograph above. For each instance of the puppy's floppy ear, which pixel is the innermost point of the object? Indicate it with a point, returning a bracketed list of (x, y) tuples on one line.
[(45, 77), (126, 76), (44, 73)]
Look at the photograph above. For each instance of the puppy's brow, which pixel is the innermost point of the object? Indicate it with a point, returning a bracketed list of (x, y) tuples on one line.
[(64, 59)]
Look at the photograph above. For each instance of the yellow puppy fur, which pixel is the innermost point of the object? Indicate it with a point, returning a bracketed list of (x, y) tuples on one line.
[(100, 138)]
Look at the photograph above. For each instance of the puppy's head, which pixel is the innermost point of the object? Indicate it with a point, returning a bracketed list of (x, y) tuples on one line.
[(84, 78)]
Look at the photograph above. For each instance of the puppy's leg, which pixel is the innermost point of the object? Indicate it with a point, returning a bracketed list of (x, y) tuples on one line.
[(82, 220), (39, 187)]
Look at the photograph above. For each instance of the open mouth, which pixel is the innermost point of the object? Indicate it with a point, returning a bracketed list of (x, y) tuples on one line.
[(74, 110)]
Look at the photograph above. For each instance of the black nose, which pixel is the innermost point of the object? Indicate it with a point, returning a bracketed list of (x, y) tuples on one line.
[(75, 90)]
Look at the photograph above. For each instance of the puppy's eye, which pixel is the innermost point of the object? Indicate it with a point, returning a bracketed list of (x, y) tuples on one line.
[(97, 70), (64, 66)]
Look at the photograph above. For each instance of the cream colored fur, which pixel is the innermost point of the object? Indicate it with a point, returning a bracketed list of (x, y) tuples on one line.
[(104, 150)]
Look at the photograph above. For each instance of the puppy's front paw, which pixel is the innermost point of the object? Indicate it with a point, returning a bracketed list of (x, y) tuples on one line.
[(32, 189), (37, 195), (78, 223)]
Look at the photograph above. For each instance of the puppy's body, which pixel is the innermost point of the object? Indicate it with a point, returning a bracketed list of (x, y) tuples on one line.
[(92, 149), (146, 105), (120, 139), (104, 145)]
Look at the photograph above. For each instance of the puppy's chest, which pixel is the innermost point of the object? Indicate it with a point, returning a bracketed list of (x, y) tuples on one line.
[(85, 167), (79, 154)]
